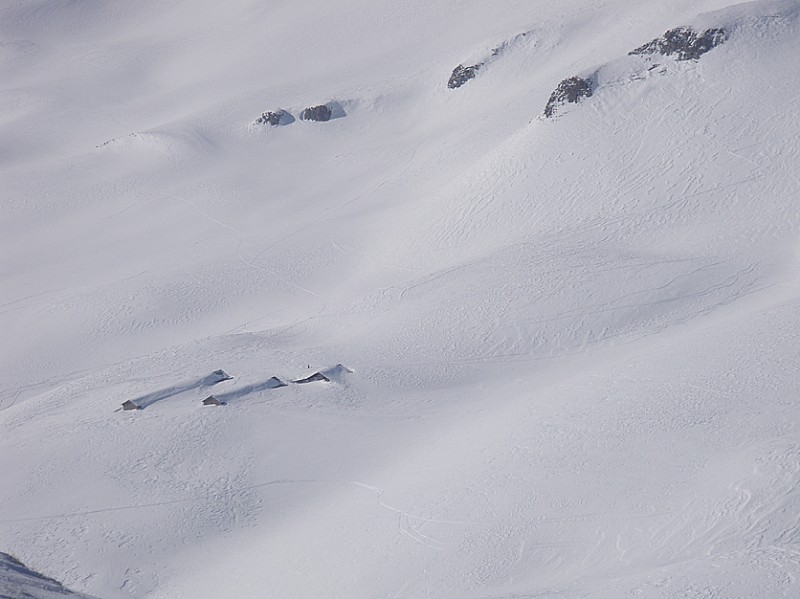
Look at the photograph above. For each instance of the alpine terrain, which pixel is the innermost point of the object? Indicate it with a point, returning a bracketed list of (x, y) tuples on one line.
[(394, 300)]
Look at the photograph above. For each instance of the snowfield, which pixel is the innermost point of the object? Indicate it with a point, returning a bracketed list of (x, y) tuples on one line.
[(562, 353)]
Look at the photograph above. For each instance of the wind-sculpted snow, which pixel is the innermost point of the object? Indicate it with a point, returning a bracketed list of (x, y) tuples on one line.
[(569, 344)]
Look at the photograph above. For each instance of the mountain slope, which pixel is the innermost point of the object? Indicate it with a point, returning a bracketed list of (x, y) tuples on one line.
[(572, 339)]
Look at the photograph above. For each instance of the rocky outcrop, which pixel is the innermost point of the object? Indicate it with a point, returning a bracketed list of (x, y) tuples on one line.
[(319, 113), (684, 43), (571, 91), (462, 74), (17, 581), (275, 118)]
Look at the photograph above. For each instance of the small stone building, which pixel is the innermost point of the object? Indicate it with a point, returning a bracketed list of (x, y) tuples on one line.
[(317, 376)]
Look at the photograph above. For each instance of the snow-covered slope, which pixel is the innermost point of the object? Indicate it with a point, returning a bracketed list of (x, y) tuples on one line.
[(561, 351)]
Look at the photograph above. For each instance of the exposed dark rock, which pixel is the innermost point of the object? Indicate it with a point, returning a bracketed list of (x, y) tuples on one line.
[(684, 43), (275, 118), (213, 401), (462, 74), (17, 581), (129, 405), (319, 113), (569, 91)]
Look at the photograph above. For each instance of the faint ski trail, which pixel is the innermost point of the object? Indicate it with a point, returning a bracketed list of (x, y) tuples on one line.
[(405, 527)]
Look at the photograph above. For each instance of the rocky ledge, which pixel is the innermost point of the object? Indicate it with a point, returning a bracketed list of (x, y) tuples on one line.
[(684, 43), (462, 74), (571, 91)]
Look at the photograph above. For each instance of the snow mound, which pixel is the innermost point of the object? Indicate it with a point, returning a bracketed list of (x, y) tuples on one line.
[(159, 144)]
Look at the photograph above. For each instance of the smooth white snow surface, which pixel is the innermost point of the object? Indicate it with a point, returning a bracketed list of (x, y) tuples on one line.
[(573, 342)]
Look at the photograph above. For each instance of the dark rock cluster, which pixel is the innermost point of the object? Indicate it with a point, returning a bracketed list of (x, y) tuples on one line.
[(319, 113), (684, 43), (275, 118), (462, 74), (571, 91)]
